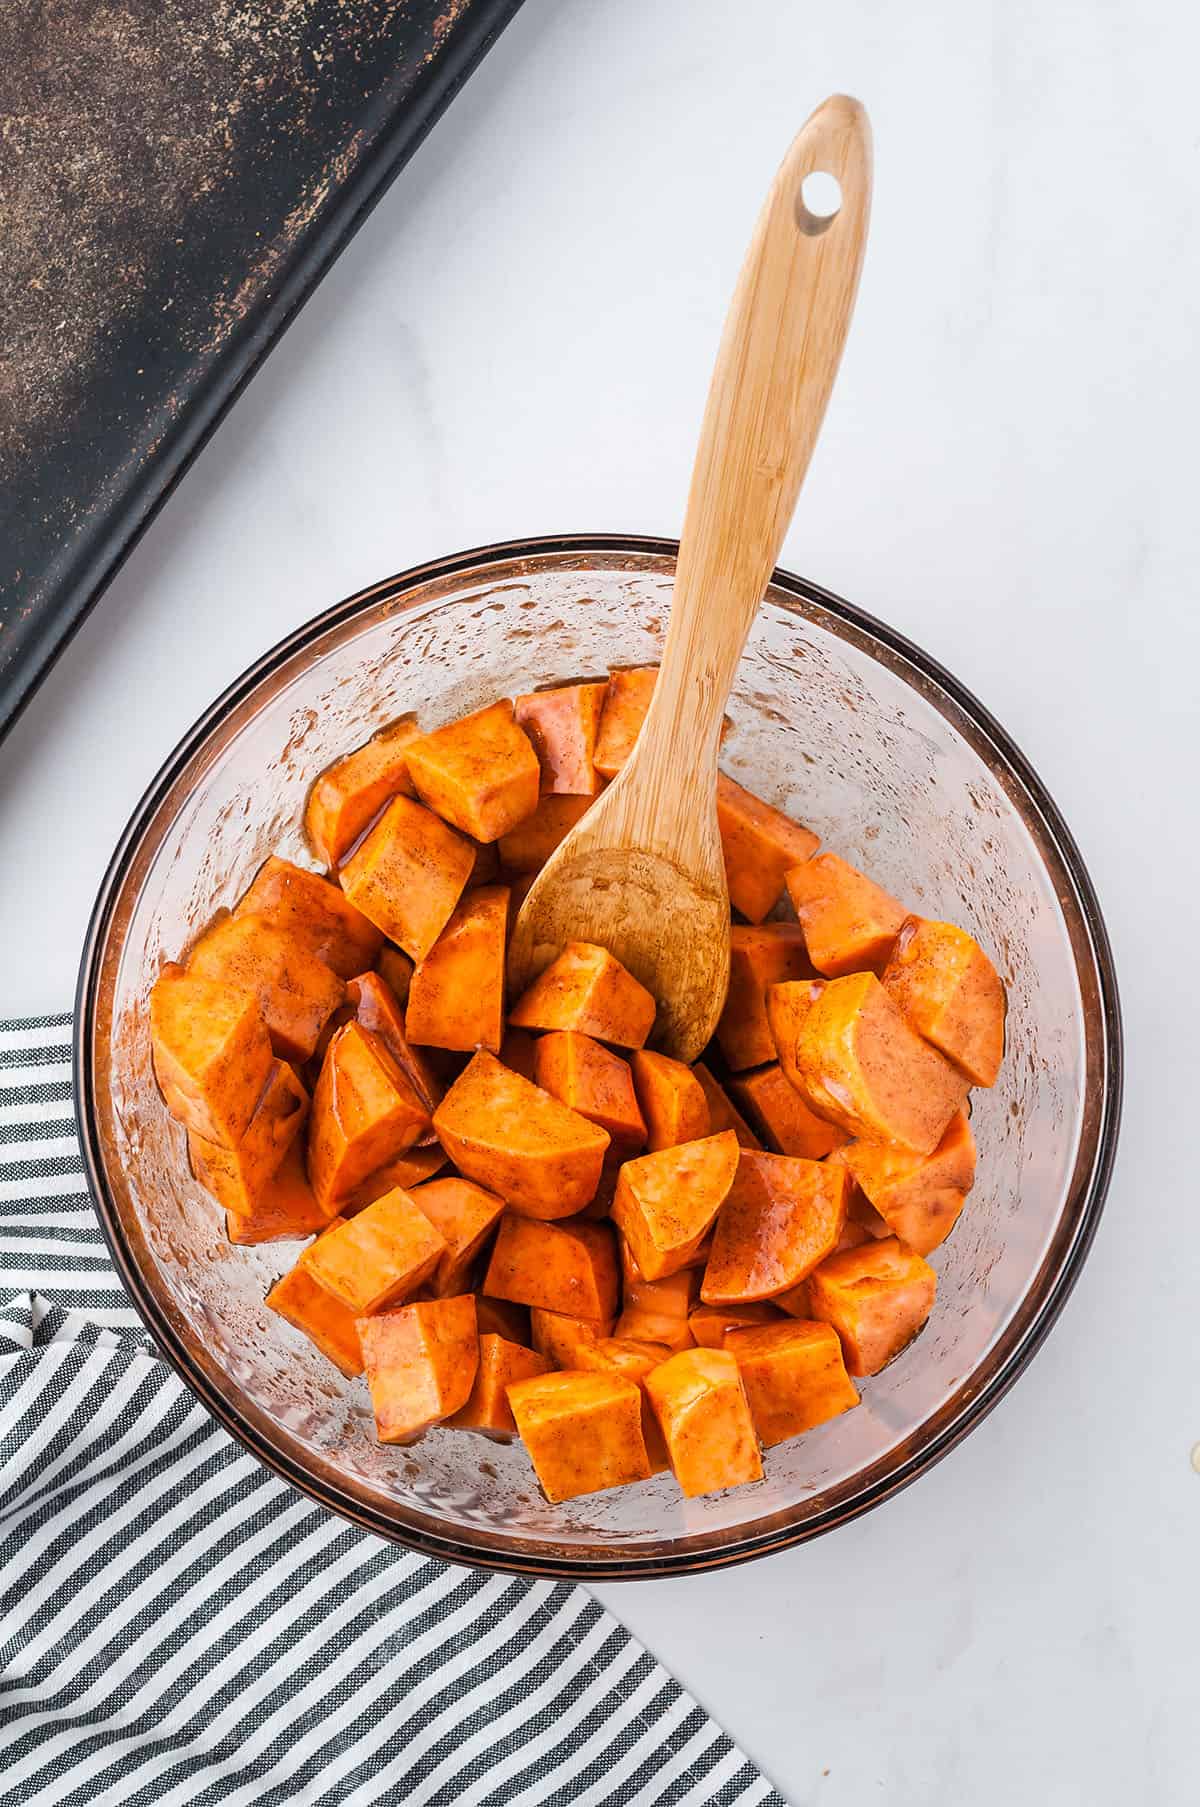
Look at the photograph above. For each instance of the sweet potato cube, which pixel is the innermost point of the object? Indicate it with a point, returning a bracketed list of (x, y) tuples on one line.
[(296, 992), (395, 969), (480, 774), (380, 1256), (316, 914), (570, 1268), (237, 1176), (877, 1298), (211, 1051), (501, 1365), (625, 705), (759, 955), (781, 1218), (562, 725), (407, 875), (518, 1052), (282, 1210), (301, 1299), (420, 1362), (349, 794), (794, 1376), (364, 1113), (527, 847), (918, 1196), (588, 990), (456, 999), (787, 1122), (951, 994), (658, 1311), (665, 1201), (850, 923), (583, 1431), (702, 1409), (405, 1171), (560, 1339), (859, 1063), (464, 1216), (590, 1079), (377, 1008), (633, 1360), (760, 845), (500, 1317), (671, 1098), (722, 1112), (642, 1324), (510, 1136), (709, 1323)]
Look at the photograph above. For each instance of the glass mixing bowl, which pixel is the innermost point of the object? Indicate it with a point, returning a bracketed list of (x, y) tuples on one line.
[(838, 721)]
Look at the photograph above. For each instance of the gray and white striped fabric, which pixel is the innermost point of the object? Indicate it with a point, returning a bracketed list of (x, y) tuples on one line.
[(176, 1625)]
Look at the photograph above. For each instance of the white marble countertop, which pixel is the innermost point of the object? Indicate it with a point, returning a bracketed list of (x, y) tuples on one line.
[(518, 342)]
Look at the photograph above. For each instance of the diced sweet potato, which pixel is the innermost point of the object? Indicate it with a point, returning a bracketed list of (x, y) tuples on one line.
[(364, 1114), (665, 1202), (642, 1324), (212, 1053), (794, 1376), (570, 1268), (380, 1256), (282, 1210), (316, 914), (781, 1218), (708, 1323), (590, 1079), (918, 1196), (583, 1431), (877, 1298), (702, 1409), (480, 774), (859, 1063), (510, 1136), (672, 1100), (795, 1301), (456, 999), (674, 1297), (586, 989), (633, 1360), (518, 1052), (395, 969), (759, 955), (562, 725), (722, 1112), (527, 847), (624, 711), (560, 1338), (951, 993), (500, 1317), (349, 794), (420, 1362), (303, 1301), (237, 1176), (406, 1171), (784, 1116), (501, 1365), (760, 845), (296, 992), (408, 874), (850, 923), (464, 1216), (377, 1008)]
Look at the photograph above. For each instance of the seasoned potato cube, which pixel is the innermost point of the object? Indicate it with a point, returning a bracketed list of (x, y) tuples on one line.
[(562, 725), (408, 874), (349, 794), (794, 1376), (760, 845), (708, 1323), (377, 1008), (282, 1210), (237, 1176), (301, 1299), (527, 847), (464, 1216), (850, 923), (569, 1268), (665, 1202), (759, 955), (421, 1362), (378, 1257), (781, 1218), (560, 1338), (701, 1407), (510, 1136), (722, 1112), (211, 1051), (480, 774), (364, 1113), (456, 998), (501, 1365), (296, 993), (951, 994), (406, 1171), (633, 1360), (643, 1324), (918, 1196), (784, 1116), (583, 1431), (316, 914), (672, 1100), (586, 989), (625, 705), (592, 1080), (395, 968), (877, 1298)]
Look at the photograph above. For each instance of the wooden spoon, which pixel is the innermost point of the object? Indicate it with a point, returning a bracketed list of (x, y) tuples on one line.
[(642, 873)]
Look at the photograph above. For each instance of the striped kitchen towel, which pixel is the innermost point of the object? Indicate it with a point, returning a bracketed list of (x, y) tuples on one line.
[(177, 1625)]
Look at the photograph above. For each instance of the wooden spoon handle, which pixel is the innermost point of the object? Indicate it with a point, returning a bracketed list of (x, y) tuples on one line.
[(775, 368)]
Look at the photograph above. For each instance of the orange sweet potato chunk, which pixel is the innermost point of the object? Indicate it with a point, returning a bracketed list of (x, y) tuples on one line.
[(787, 1123), (642, 1324), (671, 1098), (794, 1376), (665, 1201), (396, 970), (315, 913), (625, 706), (527, 847), (501, 1365), (702, 1410), (508, 1135), (588, 990), (709, 1323), (562, 725), (850, 923), (919, 1197), (759, 955), (378, 1257), (406, 1171), (500, 1317), (877, 1298), (421, 1362), (301, 1299), (364, 1114), (561, 1339), (377, 1008), (858, 1062), (456, 999), (781, 1218), (296, 992), (237, 1176), (583, 1431), (722, 1112), (480, 774), (633, 1360), (760, 845), (592, 1080), (569, 1268), (211, 1051), (464, 1216), (281, 1210), (951, 994), (349, 794), (658, 1311), (408, 874)]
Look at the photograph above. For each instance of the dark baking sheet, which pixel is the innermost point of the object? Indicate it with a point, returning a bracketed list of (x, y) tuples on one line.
[(175, 178)]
